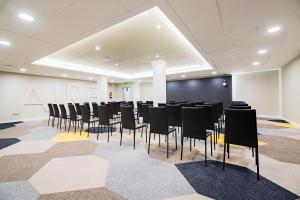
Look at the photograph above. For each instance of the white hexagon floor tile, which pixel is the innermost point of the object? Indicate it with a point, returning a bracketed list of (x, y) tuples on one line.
[(27, 147), (71, 173)]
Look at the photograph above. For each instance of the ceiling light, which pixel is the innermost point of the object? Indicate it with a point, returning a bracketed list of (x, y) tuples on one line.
[(64, 75), (255, 63), (26, 17), (214, 72), (156, 56), (4, 43), (158, 26), (91, 78), (262, 51), (274, 29), (98, 48), (23, 70), (140, 80), (116, 64), (183, 76), (112, 81)]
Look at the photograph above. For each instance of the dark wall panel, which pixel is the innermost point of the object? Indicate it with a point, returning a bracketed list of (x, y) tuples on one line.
[(203, 89)]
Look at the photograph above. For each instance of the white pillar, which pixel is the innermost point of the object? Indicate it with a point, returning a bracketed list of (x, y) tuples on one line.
[(136, 91), (159, 81), (102, 89)]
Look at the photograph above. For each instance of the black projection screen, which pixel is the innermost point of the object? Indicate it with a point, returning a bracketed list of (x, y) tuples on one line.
[(202, 89)]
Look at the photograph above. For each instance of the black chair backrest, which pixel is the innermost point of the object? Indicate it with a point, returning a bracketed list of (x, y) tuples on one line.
[(72, 111), (105, 114), (174, 115), (56, 111), (51, 111), (219, 107), (77, 106), (63, 112), (85, 113), (161, 104), (209, 113), (102, 103), (149, 102), (87, 104), (127, 117), (171, 102), (241, 127), (130, 103), (187, 104), (95, 109), (194, 122), (145, 112), (139, 108), (240, 107), (199, 102), (158, 120), (114, 107), (215, 111), (238, 102)]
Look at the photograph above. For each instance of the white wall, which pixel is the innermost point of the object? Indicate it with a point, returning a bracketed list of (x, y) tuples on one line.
[(260, 90), (146, 91), (291, 91), (26, 96)]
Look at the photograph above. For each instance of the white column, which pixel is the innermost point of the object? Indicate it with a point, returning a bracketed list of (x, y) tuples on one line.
[(159, 81), (136, 91), (102, 89)]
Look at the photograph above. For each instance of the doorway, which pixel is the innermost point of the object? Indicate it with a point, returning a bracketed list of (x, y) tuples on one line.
[(126, 94)]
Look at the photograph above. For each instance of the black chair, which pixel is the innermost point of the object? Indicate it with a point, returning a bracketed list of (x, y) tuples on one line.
[(161, 104), (241, 129), (102, 103), (78, 111), (86, 118), (56, 114), (149, 102), (139, 109), (51, 113), (128, 122), (95, 110), (159, 124), (73, 117), (63, 115), (238, 102), (105, 116), (87, 104), (194, 126), (145, 114)]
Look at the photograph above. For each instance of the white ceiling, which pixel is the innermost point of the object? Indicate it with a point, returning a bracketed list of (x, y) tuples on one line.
[(227, 33)]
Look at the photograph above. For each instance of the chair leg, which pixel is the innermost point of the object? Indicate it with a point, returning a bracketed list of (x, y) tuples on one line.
[(88, 130), (158, 139), (60, 123), (257, 162), (108, 128), (181, 147), (194, 142), (167, 146), (48, 120), (69, 126), (211, 145), (65, 124), (228, 145), (224, 155), (205, 152), (75, 126), (53, 119), (176, 138), (58, 119), (190, 144), (121, 131), (81, 127), (146, 135), (252, 152), (149, 142), (134, 139)]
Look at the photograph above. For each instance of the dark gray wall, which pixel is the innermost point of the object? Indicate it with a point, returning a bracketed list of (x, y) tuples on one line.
[(203, 89)]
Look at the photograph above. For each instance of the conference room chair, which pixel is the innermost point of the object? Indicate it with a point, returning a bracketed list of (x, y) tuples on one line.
[(149, 102), (73, 117), (187, 104), (86, 118), (105, 120), (139, 109), (95, 110), (56, 114), (128, 122), (238, 102), (145, 113), (161, 104), (159, 125), (78, 111), (194, 126), (174, 115), (63, 116), (102, 103), (241, 129), (240, 107), (51, 114)]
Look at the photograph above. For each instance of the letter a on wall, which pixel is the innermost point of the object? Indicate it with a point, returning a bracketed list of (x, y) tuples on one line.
[(30, 97)]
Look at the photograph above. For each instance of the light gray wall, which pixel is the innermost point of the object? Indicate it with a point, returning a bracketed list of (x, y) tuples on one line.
[(26, 96), (291, 91), (260, 90)]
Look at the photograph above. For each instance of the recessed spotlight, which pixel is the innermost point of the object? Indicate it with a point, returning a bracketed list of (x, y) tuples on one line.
[(98, 48), (116, 64), (214, 72), (140, 80), (158, 26), (183, 76), (23, 70), (262, 51), (274, 29), (112, 81), (64, 75), (26, 17), (255, 63), (91, 78), (4, 43), (156, 56)]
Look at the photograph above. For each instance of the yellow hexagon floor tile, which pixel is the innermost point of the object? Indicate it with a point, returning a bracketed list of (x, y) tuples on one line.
[(220, 140), (70, 137)]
